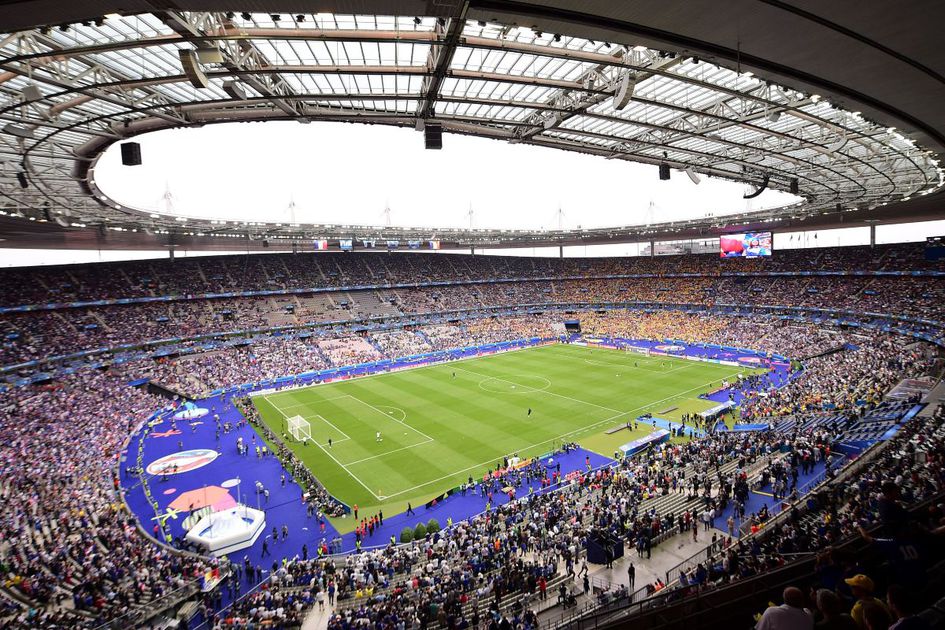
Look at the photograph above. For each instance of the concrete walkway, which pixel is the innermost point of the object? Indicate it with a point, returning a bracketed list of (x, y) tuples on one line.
[(663, 557)]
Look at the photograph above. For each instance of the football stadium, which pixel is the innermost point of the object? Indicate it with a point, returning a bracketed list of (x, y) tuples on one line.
[(465, 314)]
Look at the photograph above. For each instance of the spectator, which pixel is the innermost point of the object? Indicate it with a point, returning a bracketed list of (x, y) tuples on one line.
[(902, 606), (791, 615), (830, 608), (875, 616), (862, 588)]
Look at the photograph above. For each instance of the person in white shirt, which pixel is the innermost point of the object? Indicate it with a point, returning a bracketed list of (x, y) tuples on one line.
[(791, 615)]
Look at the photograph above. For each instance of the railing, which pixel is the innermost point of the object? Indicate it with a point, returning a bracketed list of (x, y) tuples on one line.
[(716, 606), (801, 491), (608, 594), (672, 575), (886, 319), (604, 603), (670, 593), (22, 308), (153, 608), (701, 556), (206, 623)]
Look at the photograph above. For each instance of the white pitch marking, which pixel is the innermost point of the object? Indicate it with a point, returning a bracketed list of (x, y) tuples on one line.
[(403, 448), (389, 418), (579, 430), (554, 439), (334, 459)]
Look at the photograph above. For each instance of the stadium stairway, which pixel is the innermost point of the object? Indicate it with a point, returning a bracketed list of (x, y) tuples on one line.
[(420, 569), (822, 353), (424, 336), (508, 601), (677, 503), (603, 580), (648, 570), (376, 345)]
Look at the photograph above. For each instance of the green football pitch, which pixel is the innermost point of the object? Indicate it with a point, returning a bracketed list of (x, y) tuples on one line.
[(442, 423)]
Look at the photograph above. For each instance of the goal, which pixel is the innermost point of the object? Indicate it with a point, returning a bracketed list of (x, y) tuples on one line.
[(299, 428)]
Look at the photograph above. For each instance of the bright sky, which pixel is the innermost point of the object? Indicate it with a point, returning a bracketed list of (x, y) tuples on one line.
[(348, 173)]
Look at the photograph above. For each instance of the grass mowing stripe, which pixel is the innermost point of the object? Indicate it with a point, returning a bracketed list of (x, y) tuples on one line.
[(473, 412), (540, 391), (345, 468)]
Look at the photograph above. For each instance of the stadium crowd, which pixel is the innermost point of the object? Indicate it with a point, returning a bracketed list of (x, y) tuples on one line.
[(195, 276), (201, 373), (869, 501), (38, 334), (48, 562), (844, 368), (496, 568), (842, 380), (71, 553), (73, 557)]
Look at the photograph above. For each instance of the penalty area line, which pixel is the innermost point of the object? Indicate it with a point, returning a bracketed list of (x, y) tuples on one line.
[(388, 416), (385, 454), (333, 458)]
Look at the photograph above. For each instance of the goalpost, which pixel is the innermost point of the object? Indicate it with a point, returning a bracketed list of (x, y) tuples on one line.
[(299, 428)]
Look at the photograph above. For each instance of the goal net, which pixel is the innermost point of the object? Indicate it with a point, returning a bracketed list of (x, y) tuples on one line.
[(299, 428)]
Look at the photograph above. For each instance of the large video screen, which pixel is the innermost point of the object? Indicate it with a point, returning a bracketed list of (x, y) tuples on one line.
[(747, 245)]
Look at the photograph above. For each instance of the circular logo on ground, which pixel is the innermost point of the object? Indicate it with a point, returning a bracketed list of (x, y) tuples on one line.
[(669, 348), (182, 462), (191, 413)]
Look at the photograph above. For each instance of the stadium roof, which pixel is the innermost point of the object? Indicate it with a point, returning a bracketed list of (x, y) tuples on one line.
[(844, 100)]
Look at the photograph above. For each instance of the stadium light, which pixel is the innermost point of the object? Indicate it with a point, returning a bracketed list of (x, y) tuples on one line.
[(624, 91), (191, 67), (234, 90), (20, 131)]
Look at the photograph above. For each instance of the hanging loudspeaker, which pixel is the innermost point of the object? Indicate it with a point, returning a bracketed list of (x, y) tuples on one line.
[(130, 153), (433, 136)]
